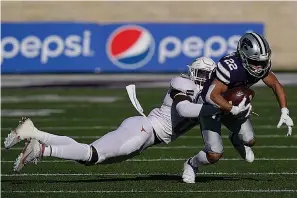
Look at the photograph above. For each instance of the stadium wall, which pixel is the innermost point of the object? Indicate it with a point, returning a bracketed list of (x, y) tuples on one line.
[(279, 17)]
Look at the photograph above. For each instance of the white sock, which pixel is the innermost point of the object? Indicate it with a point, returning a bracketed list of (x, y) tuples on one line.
[(199, 160), (71, 152), (51, 139)]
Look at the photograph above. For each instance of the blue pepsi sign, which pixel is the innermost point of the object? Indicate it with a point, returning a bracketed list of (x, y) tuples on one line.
[(49, 47), (157, 47), (90, 47)]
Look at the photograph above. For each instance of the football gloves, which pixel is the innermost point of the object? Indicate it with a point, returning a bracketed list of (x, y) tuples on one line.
[(285, 118), (242, 108)]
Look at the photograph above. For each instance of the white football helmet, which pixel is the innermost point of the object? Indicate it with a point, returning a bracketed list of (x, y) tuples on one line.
[(201, 69)]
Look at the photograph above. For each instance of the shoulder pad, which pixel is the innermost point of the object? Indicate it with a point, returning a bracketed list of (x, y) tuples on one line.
[(182, 84)]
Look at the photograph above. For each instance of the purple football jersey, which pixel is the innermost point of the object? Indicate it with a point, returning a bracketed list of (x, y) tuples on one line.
[(231, 72)]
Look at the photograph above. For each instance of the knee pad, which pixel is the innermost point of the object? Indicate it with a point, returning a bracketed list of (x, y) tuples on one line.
[(215, 148), (213, 157)]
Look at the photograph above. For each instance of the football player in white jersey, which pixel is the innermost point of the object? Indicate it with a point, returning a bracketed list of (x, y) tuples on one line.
[(133, 136)]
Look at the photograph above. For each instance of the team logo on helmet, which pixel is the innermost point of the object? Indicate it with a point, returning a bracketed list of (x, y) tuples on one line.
[(130, 47)]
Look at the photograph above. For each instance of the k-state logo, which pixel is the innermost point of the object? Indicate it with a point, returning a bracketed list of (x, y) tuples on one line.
[(130, 47)]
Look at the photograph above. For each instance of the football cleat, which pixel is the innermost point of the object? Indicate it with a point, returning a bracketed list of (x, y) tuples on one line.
[(23, 131), (189, 173), (31, 153), (249, 154)]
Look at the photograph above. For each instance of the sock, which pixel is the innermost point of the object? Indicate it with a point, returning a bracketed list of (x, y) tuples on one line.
[(71, 152), (51, 139), (238, 145), (199, 160)]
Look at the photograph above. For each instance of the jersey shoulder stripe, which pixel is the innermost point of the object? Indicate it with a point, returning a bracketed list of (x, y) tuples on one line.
[(221, 77), (223, 70)]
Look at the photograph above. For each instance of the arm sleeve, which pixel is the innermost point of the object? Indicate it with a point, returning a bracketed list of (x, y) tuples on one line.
[(192, 110), (187, 109)]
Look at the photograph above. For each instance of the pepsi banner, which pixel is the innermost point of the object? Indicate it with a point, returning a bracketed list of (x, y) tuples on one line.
[(49, 47), (115, 48)]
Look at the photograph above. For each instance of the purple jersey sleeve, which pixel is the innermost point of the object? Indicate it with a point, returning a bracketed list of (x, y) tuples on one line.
[(230, 71), (224, 71)]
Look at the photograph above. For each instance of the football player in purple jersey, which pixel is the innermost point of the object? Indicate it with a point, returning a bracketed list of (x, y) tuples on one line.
[(249, 64)]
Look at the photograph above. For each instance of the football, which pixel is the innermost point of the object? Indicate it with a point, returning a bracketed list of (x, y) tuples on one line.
[(235, 95)]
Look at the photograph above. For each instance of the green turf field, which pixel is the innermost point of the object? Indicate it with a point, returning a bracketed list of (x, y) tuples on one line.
[(157, 172)]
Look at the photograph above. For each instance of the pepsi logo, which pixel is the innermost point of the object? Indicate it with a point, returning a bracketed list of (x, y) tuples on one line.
[(130, 47)]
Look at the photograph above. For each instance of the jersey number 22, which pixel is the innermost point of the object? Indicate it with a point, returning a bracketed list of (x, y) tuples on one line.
[(231, 64)]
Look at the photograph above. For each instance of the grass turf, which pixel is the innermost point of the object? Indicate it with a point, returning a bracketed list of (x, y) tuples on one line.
[(157, 171)]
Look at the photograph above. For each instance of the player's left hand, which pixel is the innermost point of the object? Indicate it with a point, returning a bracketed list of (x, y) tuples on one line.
[(285, 118)]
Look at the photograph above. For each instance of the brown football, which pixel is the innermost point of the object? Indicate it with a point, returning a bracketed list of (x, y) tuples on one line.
[(235, 95)]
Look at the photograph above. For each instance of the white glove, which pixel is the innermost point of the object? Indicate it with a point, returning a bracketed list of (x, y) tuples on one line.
[(242, 108), (285, 118)]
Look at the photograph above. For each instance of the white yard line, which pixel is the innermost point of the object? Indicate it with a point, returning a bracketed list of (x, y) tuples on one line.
[(99, 119), (197, 147), (225, 147), (114, 127), (143, 174), (191, 136), (157, 191), (267, 136), (166, 159), (72, 128), (70, 119)]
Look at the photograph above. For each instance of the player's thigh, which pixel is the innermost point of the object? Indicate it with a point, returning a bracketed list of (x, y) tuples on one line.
[(140, 131), (132, 135), (243, 128), (211, 133)]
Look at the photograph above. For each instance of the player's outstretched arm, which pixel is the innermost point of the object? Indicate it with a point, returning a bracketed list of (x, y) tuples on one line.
[(279, 91), (187, 109), (271, 81), (184, 105), (182, 93)]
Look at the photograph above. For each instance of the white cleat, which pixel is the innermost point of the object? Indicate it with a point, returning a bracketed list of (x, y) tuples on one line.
[(32, 152), (189, 173), (23, 131), (249, 154)]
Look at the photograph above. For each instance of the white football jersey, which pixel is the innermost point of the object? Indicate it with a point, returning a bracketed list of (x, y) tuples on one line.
[(166, 121)]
